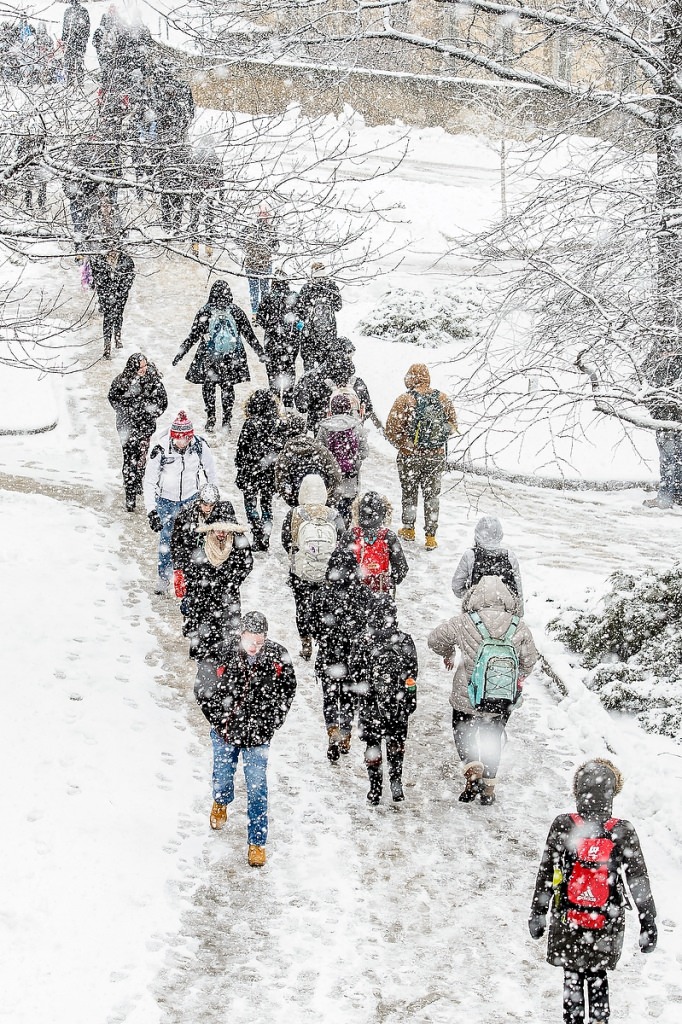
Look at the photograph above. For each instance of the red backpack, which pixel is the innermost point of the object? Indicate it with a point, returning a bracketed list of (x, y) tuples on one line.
[(374, 560), (590, 878)]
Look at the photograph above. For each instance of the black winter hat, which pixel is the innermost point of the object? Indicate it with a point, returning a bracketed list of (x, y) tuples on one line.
[(261, 403), (254, 622), (342, 567), (371, 511)]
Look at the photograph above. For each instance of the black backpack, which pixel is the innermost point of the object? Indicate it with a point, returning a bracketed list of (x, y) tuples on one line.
[(493, 563)]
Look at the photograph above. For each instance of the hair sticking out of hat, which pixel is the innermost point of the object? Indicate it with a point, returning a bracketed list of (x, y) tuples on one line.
[(182, 426)]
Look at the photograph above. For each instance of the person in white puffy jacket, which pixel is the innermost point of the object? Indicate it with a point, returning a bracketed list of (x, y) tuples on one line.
[(488, 558), (177, 468)]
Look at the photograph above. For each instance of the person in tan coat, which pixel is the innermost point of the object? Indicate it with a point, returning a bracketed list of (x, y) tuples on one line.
[(418, 425), (477, 733)]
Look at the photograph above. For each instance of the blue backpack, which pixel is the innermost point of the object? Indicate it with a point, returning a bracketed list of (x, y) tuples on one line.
[(494, 683), (223, 333)]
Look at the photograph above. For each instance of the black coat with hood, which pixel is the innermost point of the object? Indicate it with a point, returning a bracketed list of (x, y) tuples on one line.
[(112, 281), (585, 949), (315, 388), (278, 319), (246, 700), (373, 513), (212, 603), (321, 290), (207, 366), (340, 611), (185, 539), (137, 401), (303, 456), (261, 439)]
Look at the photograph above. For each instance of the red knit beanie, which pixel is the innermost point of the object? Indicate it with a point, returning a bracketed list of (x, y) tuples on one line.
[(182, 427)]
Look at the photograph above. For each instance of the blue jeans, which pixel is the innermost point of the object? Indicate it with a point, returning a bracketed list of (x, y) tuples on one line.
[(255, 764), (670, 456), (168, 510), (259, 287)]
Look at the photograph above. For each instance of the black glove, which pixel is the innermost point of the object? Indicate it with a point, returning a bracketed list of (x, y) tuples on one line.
[(536, 925), (176, 359), (155, 521), (648, 935)]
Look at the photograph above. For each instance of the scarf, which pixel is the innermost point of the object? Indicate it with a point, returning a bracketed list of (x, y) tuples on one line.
[(214, 552)]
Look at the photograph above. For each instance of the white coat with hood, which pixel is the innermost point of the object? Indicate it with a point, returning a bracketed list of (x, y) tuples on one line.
[(177, 475), (496, 605), (488, 534)]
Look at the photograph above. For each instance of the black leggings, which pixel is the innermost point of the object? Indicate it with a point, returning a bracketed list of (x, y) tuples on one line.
[(112, 322), (226, 399), (597, 985), (479, 738), (134, 460)]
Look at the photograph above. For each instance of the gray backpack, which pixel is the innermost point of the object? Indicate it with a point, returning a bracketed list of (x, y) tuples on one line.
[(316, 542)]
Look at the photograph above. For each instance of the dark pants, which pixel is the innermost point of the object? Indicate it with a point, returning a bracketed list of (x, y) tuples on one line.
[(597, 985), (171, 211), (74, 66), (134, 458), (226, 400), (670, 458), (41, 197), (197, 207), (112, 323), (338, 702), (426, 471), (395, 750), (259, 521), (304, 595), (479, 738)]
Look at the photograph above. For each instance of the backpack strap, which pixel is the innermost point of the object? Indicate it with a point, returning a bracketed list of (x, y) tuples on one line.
[(576, 819), (511, 629), (611, 824), (480, 625)]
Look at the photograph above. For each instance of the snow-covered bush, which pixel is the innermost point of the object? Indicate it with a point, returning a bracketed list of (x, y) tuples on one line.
[(445, 315), (633, 647)]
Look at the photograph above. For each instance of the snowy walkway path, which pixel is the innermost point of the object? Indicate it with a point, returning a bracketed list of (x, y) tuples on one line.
[(414, 912)]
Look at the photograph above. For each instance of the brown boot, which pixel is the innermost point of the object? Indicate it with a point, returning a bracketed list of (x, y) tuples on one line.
[(488, 792), (256, 856), (406, 533), (473, 774), (334, 740), (218, 816), (306, 648), (344, 743)]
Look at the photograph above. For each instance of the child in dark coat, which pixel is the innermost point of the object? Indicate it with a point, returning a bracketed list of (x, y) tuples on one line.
[(260, 441), (384, 669), (581, 884), (378, 552)]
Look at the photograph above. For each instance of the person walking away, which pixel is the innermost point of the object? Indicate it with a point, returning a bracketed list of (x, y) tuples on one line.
[(497, 653), (75, 35), (172, 176), (213, 578), (245, 693), (339, 612), (317, 305), (261, 439), (488, 558), (384, 668), (112, 275), (138, 398), (260, 243), (315, 390), (310, 533), (663, 370), (205, 508), (588, 858), (281, 339), (418, 425), (206, 192), (177, 468), (304, 456), (219, 331), (345, 437), (377, 550)]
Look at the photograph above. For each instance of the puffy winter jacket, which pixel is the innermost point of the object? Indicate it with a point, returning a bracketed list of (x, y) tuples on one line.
[(488, 538), (399, 430), (177, 475)]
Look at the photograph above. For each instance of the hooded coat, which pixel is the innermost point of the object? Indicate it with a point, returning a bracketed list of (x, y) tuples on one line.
[(315, 388), (339, 423), (303, 456), (496, 605), (582, 949), (492, 557), (373, 513), (313, 495), (317, 344), (177, 475), (340, 610), (276, 316), (207, 366), (261, 439), (212, 603), (185, 538), (137, 401), (112, 281), (399, 425)]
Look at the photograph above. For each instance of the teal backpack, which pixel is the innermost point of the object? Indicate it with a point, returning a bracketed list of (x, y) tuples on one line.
[(223, 333), (494, 683)]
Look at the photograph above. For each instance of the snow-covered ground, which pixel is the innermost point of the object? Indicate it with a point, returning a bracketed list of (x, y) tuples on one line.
[(120, 904)]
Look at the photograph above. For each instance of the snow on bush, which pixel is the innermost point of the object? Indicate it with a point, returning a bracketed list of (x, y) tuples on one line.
[(427, 320), (633, 647)]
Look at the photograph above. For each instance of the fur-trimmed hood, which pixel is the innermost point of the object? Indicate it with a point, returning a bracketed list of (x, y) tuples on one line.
[(595, 784)]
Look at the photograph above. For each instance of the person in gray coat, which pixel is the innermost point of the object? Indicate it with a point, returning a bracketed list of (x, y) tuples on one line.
[(478, 733), (587, 859), (488, 558)]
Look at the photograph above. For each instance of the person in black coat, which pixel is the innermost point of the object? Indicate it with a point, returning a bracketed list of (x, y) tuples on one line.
[(75, 34), (318, 302), (112, 278), (384, 668), (304, 456), (314, 390), (217, 362), (245, 693), (260, 440), (213, 577), (339, 613), (586, 861), (282, 337), (204, 509), (138, 398), (377, 550)]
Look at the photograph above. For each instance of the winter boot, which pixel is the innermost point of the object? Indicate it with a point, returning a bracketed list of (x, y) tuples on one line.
[(210, 423), (218, 816), (130, 502), (195, 248), (430, 543), (117, 341), (488, 792), (307, 649), (344, 743), (395, 753), (107, 351), (659, 502), (209, 251), (333, 748), (162, 585), (406, 533), (256, 856), (472, 773), (376, 779), (397, 790)]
